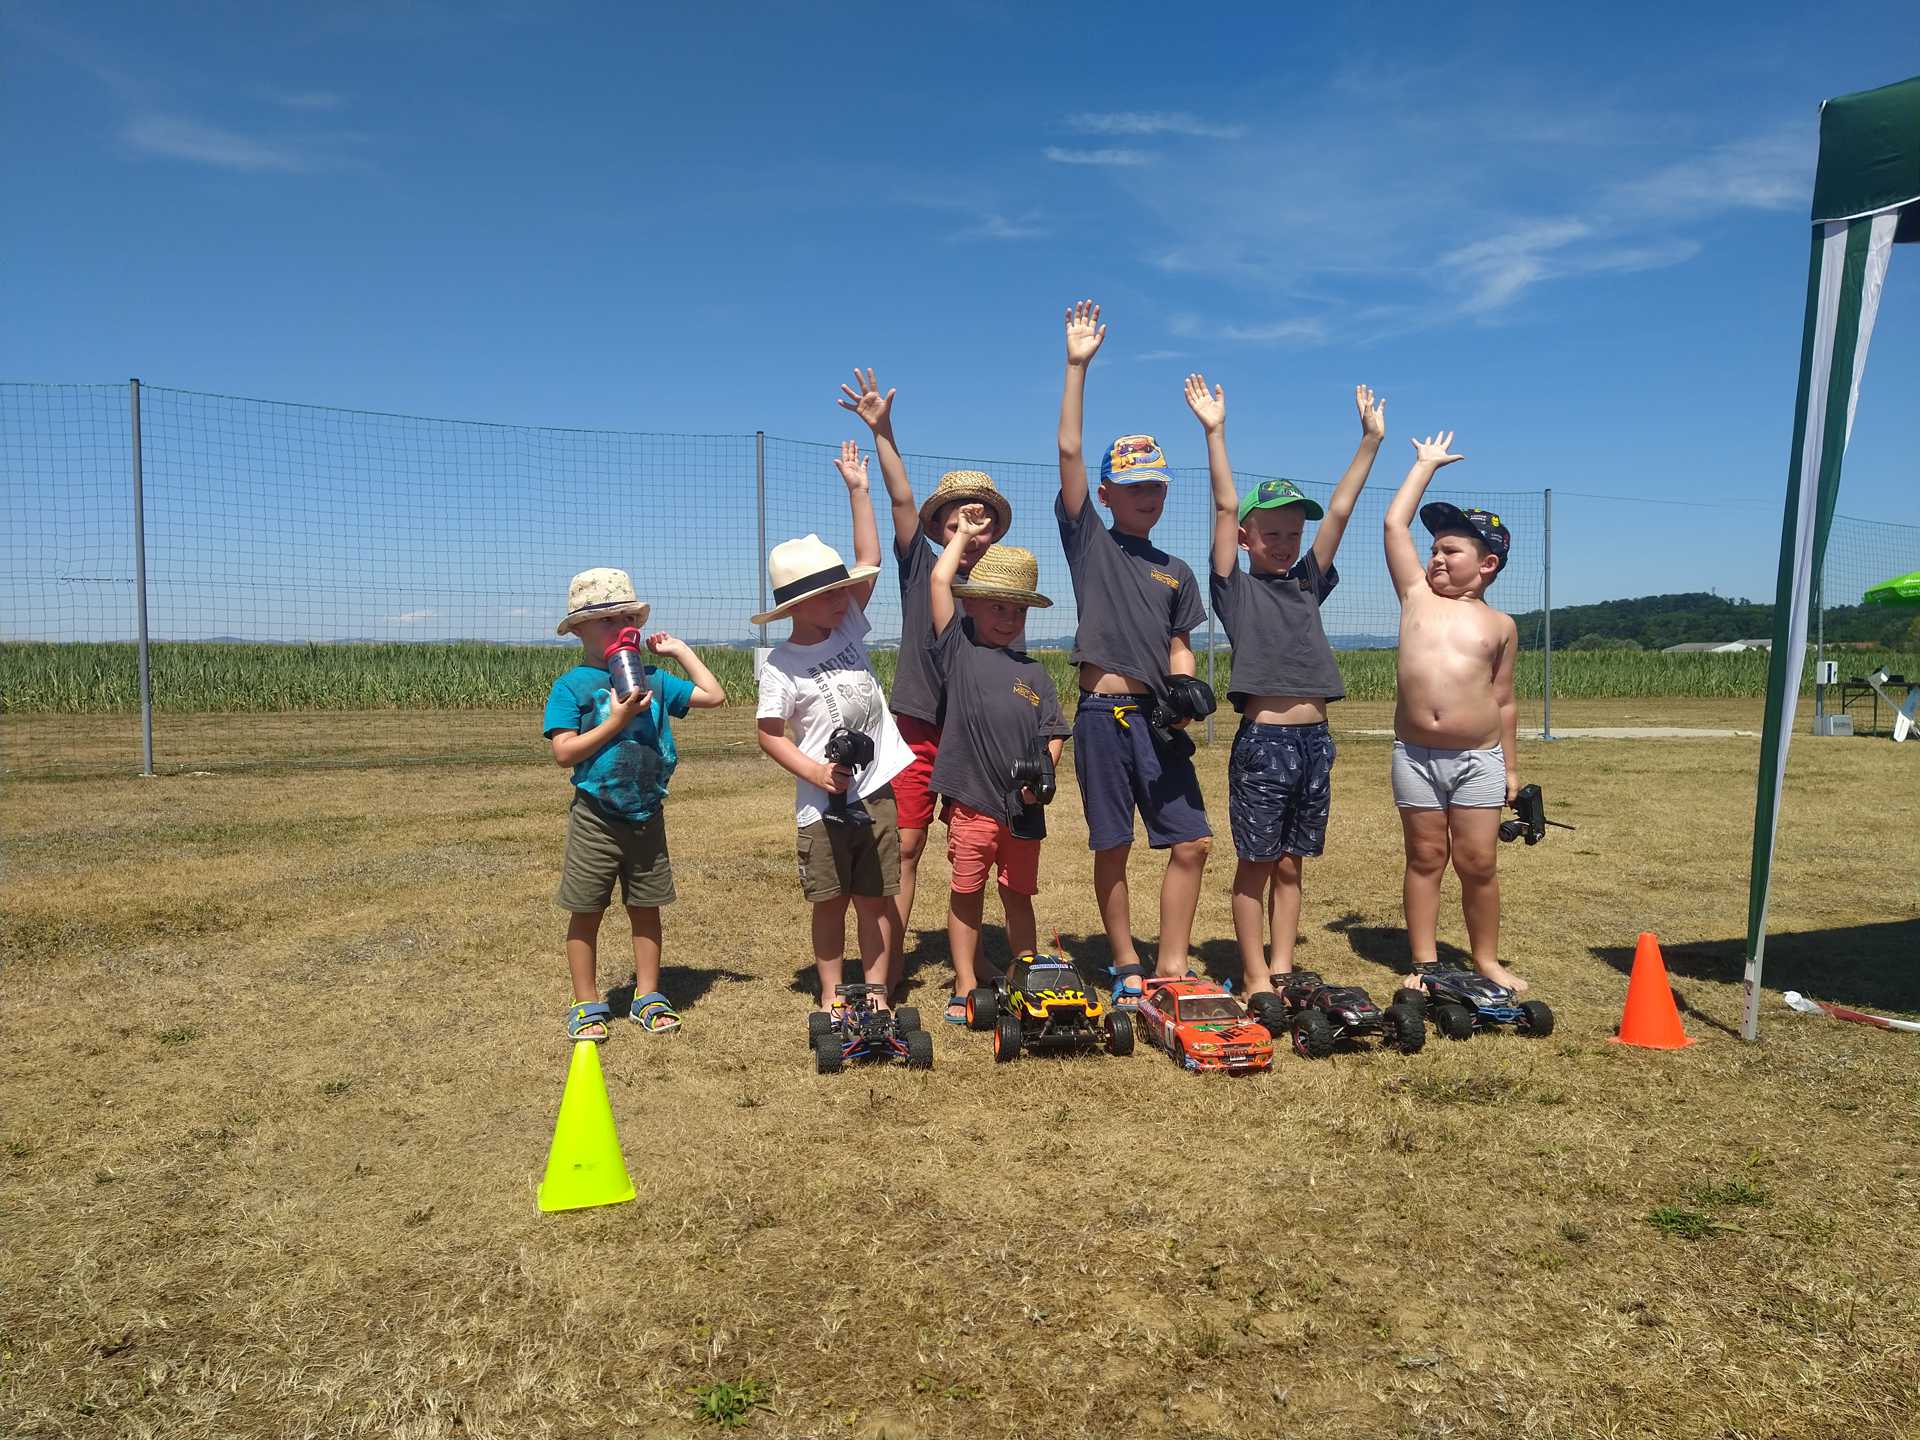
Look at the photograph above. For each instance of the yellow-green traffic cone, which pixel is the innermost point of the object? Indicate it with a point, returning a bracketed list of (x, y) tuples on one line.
[(584, 1166)]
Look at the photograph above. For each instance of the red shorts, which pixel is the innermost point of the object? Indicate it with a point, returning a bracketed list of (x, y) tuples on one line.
[(976, 841), (910, 792)]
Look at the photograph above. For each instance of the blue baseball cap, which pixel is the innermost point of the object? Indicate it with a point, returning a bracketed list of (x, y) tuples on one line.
[(1133, 459), (1441, 516)]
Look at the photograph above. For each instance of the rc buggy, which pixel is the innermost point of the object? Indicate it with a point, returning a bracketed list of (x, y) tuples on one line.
[(1320, 1016), (1041, 1003), (1460, 1001), (859, 1030), (1203, 1027)]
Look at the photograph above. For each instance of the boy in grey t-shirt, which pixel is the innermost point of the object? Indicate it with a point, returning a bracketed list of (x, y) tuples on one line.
[(1280, 777), (1001, 708), (1137, 607)]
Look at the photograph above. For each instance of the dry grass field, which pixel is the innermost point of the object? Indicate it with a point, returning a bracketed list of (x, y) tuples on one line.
[(280, 1053)]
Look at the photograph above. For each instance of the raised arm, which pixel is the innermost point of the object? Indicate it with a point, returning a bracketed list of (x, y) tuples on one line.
[(1210, 409), (863, 397), (1084, 334), (973, 520), (1403, 561), (708, 693), (1333, 525), (852, 466)]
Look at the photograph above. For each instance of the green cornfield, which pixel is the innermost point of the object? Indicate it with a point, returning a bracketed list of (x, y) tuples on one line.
[(198, 678)]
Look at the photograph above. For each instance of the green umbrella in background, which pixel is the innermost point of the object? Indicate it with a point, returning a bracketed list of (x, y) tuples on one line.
[(1901, 590)]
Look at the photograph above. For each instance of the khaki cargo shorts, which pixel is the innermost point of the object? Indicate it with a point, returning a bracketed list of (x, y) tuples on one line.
[(837, 860), (602, 848)]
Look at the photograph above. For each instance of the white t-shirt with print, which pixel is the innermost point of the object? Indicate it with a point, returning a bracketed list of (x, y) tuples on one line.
[(817, 689)]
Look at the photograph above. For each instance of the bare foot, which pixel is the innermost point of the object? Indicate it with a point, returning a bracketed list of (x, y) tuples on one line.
[(1414, 982), (1500, 975), (1262, 986)]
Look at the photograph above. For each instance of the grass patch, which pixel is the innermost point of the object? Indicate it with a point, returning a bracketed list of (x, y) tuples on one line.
[(730, 1403), (1682, 1224), (1731, 1192), (178, 1035)]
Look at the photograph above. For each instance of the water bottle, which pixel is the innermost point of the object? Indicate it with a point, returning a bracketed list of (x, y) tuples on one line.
[(625, 663)]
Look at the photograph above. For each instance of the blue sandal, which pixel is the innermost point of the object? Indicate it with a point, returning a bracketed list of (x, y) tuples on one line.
[(653, 1014), (1129, 984), (587, 1020), (956, 1010)]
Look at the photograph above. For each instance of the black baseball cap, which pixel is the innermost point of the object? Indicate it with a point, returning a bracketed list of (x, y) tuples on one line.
[(1441, 516)]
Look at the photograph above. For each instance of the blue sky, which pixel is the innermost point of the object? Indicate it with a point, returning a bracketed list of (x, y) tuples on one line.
[(1578, 239)]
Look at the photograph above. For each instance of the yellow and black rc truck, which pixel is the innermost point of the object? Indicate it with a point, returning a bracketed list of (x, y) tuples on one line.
[(1041, 1003)]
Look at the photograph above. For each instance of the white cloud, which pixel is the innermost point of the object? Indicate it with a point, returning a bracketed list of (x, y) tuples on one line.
[(1133, 122), (1161, 355), (1113, 156), (1762, 172), (410, 617), (1301, 330), (995, 226), (179, 138), (989, 220)]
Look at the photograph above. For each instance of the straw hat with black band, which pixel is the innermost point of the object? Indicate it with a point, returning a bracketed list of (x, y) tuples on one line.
[(801, 569), (973, 486), (1005, 572)]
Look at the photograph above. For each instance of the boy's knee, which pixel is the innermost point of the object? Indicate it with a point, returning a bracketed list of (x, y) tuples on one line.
[(1193, 852), (913, 844), (1475, 866), (1427, 857)]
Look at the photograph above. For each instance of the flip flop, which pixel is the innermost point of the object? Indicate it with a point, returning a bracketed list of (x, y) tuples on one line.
[(653, 1014), (956, 1010), (1128, 986)]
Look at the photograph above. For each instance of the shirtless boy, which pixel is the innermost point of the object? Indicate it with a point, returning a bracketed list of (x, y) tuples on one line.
[(1453, 718)]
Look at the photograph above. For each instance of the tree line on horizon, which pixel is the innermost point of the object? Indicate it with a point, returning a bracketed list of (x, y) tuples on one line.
[(1653, 622)]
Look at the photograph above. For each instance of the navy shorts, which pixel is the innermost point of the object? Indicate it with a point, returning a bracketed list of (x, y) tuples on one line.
[(1279, 788), (1119, 767)]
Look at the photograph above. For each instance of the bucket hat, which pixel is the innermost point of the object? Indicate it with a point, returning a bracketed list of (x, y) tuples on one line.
[(601, 594)]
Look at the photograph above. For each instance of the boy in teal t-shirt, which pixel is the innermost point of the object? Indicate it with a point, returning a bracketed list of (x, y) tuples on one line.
[(622, 755)]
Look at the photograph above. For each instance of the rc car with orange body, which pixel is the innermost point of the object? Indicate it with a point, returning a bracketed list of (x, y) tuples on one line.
[(1203, 1027), (1041, 1003)]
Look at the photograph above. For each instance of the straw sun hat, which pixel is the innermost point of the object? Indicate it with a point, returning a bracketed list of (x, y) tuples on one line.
[(601, 594), (1005, 572), (801, 569), (975, 486)]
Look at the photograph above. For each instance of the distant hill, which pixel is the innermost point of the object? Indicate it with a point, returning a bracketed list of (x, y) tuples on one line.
[(1657, 621)]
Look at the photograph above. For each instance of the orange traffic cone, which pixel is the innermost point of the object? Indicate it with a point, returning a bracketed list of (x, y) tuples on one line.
[(1651, 1019), (584, 1167)]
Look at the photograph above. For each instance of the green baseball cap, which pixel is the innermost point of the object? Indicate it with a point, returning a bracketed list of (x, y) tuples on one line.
[(1272, 494)]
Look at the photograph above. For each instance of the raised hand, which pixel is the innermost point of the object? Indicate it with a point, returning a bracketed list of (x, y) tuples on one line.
[(1084, 332), (1433, 450), (1209, 408), (863, 397), (973, 520), (852, 465), (661, 643), (1373, 414)]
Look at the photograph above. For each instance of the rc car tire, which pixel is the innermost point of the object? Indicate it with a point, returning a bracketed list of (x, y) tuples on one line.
[(818, 1024), (1454, 1021), (1313, 1034), (1539, 1018), (1409, 1028), (983, 1008), (906, 1019), (826, 1054), (919, 1050), (1407, 995), (1269, 1009), (1006, 1038), (1119, 1033)]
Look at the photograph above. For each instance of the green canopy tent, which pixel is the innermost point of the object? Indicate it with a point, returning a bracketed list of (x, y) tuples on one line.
[(1900, 590), (1866, 199)]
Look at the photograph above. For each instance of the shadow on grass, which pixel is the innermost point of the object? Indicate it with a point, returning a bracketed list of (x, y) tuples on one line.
[(1871, 965), (1386, 945), (926, 952), (684, 985)]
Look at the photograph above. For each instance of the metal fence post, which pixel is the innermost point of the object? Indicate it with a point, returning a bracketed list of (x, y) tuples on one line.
[(760, 509), (140, 583), (1546, 611)]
